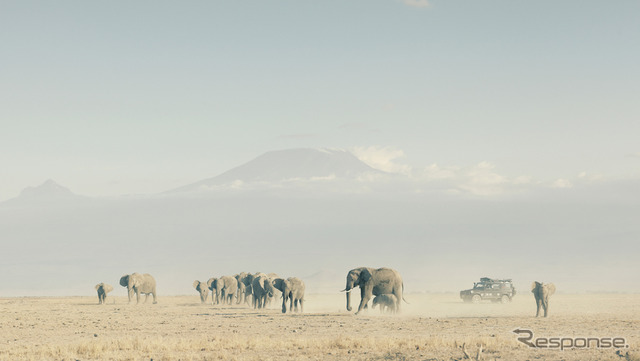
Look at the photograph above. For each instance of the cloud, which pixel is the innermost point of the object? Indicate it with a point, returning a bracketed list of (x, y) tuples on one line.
[(562, 183), (482, 180), (435, 172), (382, 158), (416, 3)]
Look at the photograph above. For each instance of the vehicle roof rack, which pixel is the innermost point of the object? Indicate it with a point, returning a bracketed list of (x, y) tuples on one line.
[(487, 279)]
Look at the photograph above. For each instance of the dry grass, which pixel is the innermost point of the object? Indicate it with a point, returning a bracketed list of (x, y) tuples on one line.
[(432, 327)]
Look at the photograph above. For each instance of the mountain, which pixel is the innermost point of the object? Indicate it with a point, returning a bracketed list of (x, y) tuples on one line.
[(47, 192), (288, 166), (326, 281)]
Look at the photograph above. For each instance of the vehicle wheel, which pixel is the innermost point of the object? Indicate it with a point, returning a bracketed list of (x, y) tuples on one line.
[(476, 299), (505, 299)]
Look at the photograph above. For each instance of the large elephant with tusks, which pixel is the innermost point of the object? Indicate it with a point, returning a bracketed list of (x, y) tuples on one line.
[(139, 283), (374, 282)]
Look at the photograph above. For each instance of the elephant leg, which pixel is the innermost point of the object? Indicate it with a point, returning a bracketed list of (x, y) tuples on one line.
[(301, 305), (538, 305), (545, 306), (366, 294)]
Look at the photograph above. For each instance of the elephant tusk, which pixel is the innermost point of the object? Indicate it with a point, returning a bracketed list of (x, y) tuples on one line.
[(345, 290)]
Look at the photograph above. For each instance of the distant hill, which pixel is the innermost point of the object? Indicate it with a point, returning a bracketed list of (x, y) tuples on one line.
[(290, 165), (47, 192)]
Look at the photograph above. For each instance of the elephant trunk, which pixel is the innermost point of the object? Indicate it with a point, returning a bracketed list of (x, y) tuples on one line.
[(284, 303), (348, 300)]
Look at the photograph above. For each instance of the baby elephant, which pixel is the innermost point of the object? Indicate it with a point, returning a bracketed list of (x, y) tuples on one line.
[(388, 302), (103, 289)]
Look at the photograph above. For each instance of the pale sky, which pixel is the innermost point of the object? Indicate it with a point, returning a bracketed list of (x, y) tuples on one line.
[(123, 97)]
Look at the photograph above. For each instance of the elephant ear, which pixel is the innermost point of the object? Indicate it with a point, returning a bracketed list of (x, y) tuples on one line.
[(365, 276), (196, 284), (137, 279), (124, 281), (551, 289), (98, 286), (534, 285), (107, 288), (210, 283), (279, 284)]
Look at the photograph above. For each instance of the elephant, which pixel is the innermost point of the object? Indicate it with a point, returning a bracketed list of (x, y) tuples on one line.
[(248, 295), (542, 292), (229, 288), (276, 292), (387, 302), (245, 291), (373, 282), (240, 297), (292, 289), (215, 285), (103, 289), (137, 283), (262, 289), (202, 288)]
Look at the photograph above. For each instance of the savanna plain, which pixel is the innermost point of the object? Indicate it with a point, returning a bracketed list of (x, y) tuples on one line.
[(429, 327)]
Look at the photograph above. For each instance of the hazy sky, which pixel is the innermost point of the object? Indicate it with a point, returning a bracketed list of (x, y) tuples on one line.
[(123, 97)]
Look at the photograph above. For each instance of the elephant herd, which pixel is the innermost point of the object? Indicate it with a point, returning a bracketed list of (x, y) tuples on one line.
[(259, 289)]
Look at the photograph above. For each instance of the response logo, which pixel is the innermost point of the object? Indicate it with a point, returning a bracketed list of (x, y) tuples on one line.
[(562, 343)]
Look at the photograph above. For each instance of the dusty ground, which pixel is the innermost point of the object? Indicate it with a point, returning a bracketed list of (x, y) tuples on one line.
[(431, 327)]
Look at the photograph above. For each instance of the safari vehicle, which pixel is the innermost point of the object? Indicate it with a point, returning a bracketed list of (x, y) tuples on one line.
[(489, 289)]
